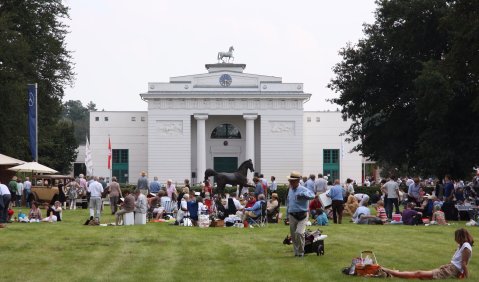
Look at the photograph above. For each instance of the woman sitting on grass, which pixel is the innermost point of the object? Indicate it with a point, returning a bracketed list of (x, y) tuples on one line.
[(35, 215), (457, 268)]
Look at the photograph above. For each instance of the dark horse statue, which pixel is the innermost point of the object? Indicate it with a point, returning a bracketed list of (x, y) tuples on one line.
[(234, 178)]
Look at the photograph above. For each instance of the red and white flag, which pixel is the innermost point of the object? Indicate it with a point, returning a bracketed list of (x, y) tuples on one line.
[(109, 153)]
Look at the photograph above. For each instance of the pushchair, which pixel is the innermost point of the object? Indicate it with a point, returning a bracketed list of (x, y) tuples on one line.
[(313, 242)]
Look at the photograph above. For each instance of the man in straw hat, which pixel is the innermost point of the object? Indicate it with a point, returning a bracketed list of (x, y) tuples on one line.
[(297, 210)]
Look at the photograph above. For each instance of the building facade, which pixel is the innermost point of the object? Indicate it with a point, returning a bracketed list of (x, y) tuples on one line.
[(217, 120)]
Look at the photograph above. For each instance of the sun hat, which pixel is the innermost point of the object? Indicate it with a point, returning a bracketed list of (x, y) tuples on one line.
[(294, 176)]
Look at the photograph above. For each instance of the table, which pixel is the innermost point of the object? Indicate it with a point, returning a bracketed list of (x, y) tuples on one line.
[(472, 209)]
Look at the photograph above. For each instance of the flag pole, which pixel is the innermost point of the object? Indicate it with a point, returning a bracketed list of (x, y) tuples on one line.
[(110, 158), (33, 120), (341, 159), (36, 122)]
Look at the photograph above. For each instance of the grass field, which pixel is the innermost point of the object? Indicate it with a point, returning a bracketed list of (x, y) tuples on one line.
[(70, 251)]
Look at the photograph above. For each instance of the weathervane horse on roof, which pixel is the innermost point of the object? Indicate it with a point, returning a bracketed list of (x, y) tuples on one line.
[(229, 55), (234, 178)]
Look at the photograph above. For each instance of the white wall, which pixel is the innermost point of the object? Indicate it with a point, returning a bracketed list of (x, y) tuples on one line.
[(169, 144), (325, 134), (281, 143), (124, 134), (284, 141)]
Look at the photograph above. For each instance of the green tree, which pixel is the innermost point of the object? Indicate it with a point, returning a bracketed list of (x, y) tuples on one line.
[(32, 49), (79, 115), (60, 147), (411, 86)]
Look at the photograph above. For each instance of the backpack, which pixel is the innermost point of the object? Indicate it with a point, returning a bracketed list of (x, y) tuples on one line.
[(12, 185)]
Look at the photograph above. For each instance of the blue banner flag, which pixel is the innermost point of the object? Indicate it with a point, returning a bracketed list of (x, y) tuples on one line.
[(32, 119)]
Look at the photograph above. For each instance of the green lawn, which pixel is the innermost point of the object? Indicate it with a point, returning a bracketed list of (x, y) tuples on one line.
[(69, 251)]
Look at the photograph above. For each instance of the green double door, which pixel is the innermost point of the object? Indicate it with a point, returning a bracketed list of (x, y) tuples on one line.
[(225, 164), (331, 163)]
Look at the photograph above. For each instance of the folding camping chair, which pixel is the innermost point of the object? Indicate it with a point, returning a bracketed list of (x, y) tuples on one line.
[(169, 208), (260, 220)]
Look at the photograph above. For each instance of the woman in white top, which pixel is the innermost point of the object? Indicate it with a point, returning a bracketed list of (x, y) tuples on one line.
[(457, 268)]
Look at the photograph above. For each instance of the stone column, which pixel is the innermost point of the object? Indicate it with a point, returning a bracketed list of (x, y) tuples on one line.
[(200, 146), (249, 152)]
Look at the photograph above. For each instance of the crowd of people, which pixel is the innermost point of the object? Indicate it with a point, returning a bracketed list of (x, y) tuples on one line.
[(159, 202), (190, 204), (398, 201), (305, 201), (409, 193)]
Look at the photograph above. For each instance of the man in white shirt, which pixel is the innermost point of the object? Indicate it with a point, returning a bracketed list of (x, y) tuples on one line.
[(391, 188), (409, 181), (95, 188), (367, 183), (238, 206), (274, 186), (27, 190), (6, 197), (321, 184), (362, 198), (141, 204)]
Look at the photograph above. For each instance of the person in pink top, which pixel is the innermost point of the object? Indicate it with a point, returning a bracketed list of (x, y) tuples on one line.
[(83, 184), (438, 216), (381, 212), (170, 188)]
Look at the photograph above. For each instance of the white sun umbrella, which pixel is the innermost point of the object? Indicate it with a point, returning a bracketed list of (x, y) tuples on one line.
[(6, 160), (33, 167)]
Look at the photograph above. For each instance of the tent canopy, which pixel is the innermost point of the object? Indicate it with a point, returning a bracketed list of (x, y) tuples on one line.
[(6, 160), (33, 167)]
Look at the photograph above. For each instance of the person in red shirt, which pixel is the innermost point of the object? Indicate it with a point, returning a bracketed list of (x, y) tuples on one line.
[(314, 207), (251, 200)]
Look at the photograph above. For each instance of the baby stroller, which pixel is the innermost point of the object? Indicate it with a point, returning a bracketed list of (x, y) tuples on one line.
[(313, 243)]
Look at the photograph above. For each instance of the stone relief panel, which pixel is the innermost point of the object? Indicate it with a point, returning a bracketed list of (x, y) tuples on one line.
[(282, 127), (170, 127), (225, 103)]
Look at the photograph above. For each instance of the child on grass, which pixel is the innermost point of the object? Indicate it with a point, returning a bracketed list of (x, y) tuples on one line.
[(381, 212), (322, 218), (457, 268), (438, 216)]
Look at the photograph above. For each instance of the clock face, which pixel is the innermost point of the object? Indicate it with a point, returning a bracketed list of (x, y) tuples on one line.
[(225, 80)]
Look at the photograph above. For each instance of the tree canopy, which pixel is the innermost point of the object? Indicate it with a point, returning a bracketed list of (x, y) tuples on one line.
[(32, 50), (410, 86), (79, 115)]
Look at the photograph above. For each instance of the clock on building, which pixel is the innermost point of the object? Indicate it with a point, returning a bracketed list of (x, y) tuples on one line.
[(225, 80)]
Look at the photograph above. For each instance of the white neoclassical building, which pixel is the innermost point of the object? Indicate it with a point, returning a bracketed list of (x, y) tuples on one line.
[(217, 120)]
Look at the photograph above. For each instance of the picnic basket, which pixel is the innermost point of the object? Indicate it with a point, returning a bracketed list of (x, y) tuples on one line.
[(368, 264)]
